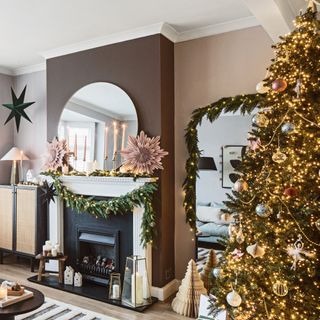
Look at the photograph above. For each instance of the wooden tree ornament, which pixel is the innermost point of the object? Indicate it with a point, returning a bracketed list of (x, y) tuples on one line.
[(187, 299), (206, 274)]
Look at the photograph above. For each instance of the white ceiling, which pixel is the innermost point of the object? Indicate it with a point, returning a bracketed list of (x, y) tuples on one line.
[(28, 28), (32, 30)]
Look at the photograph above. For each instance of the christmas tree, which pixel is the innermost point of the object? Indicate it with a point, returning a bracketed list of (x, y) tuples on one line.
[(271, 266)]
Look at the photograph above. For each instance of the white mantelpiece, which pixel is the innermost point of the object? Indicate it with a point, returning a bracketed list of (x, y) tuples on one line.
[(106, 187)]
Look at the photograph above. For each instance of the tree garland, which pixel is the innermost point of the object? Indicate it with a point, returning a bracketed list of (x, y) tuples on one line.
[(244, 104), (140, 197)]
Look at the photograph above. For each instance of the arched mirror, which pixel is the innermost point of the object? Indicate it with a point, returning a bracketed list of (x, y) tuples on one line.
[(222, 144), (96, 123)]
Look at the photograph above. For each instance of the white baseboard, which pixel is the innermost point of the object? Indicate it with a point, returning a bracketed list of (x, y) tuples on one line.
[(165, 292)]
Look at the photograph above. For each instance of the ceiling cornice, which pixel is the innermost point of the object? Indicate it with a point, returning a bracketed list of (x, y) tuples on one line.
[(159, 28)]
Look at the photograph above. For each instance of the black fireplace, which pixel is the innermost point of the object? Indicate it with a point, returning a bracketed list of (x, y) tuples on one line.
[(95, 246), (97, 253)]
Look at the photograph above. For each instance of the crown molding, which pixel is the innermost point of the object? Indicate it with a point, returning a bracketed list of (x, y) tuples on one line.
[(102, 41), (215, 29), (163, 28), (29, 69), (6, 71)]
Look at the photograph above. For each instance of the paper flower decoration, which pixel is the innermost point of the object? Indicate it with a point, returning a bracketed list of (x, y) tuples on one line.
[(143, 154), (56, 151)]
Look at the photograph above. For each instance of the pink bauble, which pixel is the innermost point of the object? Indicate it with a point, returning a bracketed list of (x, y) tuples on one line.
[(279, 85)]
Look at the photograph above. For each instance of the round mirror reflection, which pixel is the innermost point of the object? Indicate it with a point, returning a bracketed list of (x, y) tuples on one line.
[(96, 123)]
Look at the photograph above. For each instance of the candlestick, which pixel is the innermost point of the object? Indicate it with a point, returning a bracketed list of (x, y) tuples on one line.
[(54, 252), (106, 143), (75, 149), (123, 135), (137, 288), (68, 140), (21, 155), (85, 149), (115, 138)]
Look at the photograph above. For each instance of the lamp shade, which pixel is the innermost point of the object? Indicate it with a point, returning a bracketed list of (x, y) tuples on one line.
[(207, 163), (14, 154)]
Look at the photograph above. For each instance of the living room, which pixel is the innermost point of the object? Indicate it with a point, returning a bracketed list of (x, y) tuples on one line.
[(159, 160)]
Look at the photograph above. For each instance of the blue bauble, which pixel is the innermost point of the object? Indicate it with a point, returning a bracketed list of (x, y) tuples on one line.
[(287, 127), (263, 210)]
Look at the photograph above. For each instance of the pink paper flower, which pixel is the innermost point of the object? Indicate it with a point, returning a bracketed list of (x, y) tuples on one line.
[(143, 154), (56, 151)]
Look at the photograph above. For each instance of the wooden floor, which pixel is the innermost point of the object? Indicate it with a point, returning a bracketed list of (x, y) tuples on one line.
[(19, 272)]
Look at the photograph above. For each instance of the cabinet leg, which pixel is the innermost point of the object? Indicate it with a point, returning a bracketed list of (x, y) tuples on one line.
[(1, 257), (32, 264)]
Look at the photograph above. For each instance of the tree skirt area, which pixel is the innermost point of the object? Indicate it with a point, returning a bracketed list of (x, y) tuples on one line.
[(56, 310)]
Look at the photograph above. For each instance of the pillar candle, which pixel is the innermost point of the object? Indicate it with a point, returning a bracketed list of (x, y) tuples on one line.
[(115, 291), (65, 169), (123, 135), (3, 292), (57, 246), (54, 252), (137, 288), (85, 149), (106, 142)]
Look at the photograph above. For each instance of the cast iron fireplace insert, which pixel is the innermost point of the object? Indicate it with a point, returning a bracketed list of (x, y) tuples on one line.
[(97, 252)]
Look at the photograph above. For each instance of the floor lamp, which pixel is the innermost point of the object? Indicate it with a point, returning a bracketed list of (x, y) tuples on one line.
[(14, 155)]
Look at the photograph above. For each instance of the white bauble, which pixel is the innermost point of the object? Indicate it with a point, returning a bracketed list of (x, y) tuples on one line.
[(234, 299), (217, 272), (262, 88)]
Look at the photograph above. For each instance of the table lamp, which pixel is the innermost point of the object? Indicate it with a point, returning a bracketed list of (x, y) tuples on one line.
[(14, 155), (207, 163)]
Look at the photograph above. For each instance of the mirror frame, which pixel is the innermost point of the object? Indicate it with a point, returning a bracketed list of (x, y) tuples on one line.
[(243, 103)]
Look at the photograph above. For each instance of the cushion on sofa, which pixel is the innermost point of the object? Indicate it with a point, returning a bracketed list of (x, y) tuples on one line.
[(214, 229)]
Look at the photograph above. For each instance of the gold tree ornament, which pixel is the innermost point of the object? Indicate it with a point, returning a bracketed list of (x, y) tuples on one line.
[(280, 288), (256, 251), (187, 299)]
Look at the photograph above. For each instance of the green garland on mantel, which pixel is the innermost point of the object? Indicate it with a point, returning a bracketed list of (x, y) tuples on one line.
[(244, 104), (140, 197)]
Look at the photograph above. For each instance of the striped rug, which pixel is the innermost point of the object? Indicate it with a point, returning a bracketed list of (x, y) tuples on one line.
[(53, 309)]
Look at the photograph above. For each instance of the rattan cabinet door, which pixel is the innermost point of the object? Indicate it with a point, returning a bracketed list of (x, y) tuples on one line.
[(6, 218), (26, 221)]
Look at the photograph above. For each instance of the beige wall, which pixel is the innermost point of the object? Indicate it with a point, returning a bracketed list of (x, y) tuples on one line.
[(205, 70)]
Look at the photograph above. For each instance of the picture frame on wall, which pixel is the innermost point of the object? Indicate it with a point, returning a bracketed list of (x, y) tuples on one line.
[(231, 158)]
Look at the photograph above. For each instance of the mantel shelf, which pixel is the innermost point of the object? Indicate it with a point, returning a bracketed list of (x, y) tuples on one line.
[(101, 186)]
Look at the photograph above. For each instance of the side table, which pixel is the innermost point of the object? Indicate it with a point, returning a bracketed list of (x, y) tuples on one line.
[(26, 306), (42, 260)]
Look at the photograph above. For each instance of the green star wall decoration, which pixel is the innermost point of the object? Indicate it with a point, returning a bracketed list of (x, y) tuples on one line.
[(17, 108)]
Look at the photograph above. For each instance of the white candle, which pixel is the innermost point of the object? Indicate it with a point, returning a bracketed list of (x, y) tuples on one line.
[(54, 252), (85, 149), (3, 292), (115, 138), (106, 142), (115, 291), (75, 149), (146, 288), (137, 289), (89, 167), (57, 246), (68, 139), (96, 165), (65, 169), (123, 135)]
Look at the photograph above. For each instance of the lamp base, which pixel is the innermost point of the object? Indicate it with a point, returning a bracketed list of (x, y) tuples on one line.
[(14, 173)]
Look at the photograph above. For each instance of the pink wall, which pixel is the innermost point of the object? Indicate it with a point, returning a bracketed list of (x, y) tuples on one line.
[(205, 70)]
